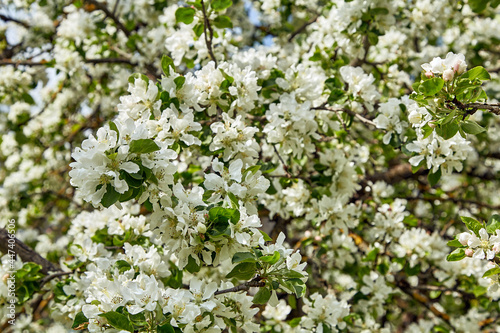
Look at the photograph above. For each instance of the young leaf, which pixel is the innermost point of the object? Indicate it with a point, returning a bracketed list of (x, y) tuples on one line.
[(431, 87), (118, 321), (492, 271), (471, 127), (456, 255), (219, 5), (271, 259), (433, 178), (222, 22), (243, 271), (477, 73), (192, 266), (113, 127), (454, 243), (80, 320), (110, 197), (143, 146), (185, 15), (262, 296), (243, 257), (166, 64), (472, 224), (493, 224)]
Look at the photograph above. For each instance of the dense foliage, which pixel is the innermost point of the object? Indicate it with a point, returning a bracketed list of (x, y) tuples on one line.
[(250, 166)]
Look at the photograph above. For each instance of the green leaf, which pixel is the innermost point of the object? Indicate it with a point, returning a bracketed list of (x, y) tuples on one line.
[(493, 224), (456, 255), (431, 87), (448, 130), (243, 271), (166, 64), (219, 5), (110, 197), (122, 266), (372, 38), (271, 259), (118, 321), (295, 322), (80, 319), (143, 146), (379, 11), (472, 224), (433, 178), (226, 76), (133, 77), (28, 99), (113, 127), (478, 6), (454, 243), (492, 271), (266, 236), (243, 257), (198, 29), (477, 73), (222, 22), (471, 127), (262, 296), (167, 328), (185, 15), (179, 82), (192, 266), (291, 274), (371, 255)]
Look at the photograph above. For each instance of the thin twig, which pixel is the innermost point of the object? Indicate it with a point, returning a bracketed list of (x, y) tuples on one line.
[(349, 112), (115, 7), (10, 19), (257, 282), (53, 276), (302, 28), (285, 167), (208, 39), (101, 6)]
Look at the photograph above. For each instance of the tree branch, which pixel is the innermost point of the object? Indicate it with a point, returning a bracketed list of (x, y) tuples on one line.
[(302, 28), (257, 282), (10, 19), (101, 6), (208, 39), (26, 253), (349, 112)]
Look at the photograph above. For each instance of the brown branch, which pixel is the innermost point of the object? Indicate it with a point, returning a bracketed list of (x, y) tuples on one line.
[(45, 62), (53, 276), (10, 19), (405, 287), (208, 39), (26, 253), (16, 63), (101, 6), (257, 282), (349, 112), (302, 28), (493, 108)]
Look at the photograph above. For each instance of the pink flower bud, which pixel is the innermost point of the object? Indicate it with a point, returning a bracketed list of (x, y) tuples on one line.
[(448, 75), (429, 74), (469, 252)]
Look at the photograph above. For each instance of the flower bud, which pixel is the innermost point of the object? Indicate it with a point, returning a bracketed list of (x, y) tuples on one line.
[(469, 252), (448, 75), (429, 74), (201, 228)]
